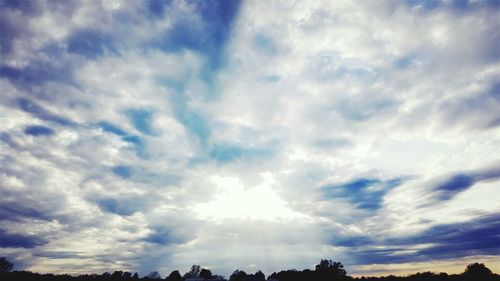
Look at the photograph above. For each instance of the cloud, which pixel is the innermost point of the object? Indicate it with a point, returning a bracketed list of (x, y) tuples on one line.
[(38, 131), (462, 181), (455, 184), (145, 136), (207, 31), (41, 113), (123, 207), (475, 237), (108, 127), (10, 240), (363, 193), (12, 212), (89, 43)]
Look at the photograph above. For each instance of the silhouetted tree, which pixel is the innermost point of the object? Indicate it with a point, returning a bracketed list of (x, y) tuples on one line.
[(205, 273), (423, 276), (117, 275), (477, 272), (153, 275), (174, 276), (329, 270), (5, 265), (273, 275), (260, 276), (325, 272), (238, 275), (194, 272), (331, 267)]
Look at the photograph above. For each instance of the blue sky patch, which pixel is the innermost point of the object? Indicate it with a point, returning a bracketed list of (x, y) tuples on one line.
[(224, 153), (25, 7), (90, 43), (196, 124), (157, 7), (142, 120), (122, 207), (122, 171), (111, 128), (265, 44), (138, 144), (143, 176), (405, 62), (208, 38), (37, 73), (494, 91)]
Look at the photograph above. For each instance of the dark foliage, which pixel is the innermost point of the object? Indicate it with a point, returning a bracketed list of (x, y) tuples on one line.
[(325, 270), (154, 275), (477, 272), (5, 265), (174, 276), (194, 272), (238, 275), (205, 273)]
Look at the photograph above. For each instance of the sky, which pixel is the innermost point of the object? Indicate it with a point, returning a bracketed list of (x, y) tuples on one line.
[(258, 135)]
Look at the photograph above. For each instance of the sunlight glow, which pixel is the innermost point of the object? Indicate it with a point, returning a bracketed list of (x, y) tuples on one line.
[(234, 201)]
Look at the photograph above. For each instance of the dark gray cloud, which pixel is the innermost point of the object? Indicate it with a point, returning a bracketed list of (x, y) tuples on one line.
[(14, 211), (39, 112), (14, 240), (457, 183), (164, 235), (479, 236), (36, 130), (7, 139), (11, 26)]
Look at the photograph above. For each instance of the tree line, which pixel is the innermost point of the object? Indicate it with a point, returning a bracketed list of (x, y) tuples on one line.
[(326, 270)]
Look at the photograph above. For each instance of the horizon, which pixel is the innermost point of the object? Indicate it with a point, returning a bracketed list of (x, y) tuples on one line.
[(160, 134), (267, 275)]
